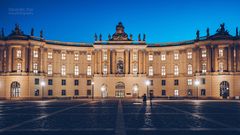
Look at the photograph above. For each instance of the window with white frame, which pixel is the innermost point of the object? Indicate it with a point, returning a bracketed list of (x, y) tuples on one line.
[(63, 56), (176, 55), (176, 70), (150, 57), (89, 57), (221, 67), (189, 69), (220, 52), (19, 53), (204, 68), (19, 67), (35, 53), (76, 56), (150, 71), (89, 70), (163, 56), (176, 93), (204, 53), (50, 55), (135, 70), (50, 69), (76, 70), (135, 56), (35, 68), (189, 55), (105, 69), (163, 70), (63, 70), (105, 55), (189, 82)]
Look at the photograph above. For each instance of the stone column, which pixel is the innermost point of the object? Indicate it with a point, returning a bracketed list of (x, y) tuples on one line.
[(216, 59), (108, 61), (144, 62), (230, 58), (10, 55), (95, 62), (41, 59), (131, 61), (126, 57), (209, 59), (198, 64), (113, 61), (140, 62)]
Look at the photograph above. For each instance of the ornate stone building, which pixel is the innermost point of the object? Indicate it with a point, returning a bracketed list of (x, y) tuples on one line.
[(206, 67)]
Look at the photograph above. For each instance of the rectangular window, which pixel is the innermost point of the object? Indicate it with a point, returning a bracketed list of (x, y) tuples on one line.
[(220, 66), (135, 69), (89, 57), (50, 92), (19, 53), (176, 93), (89, 70), (63, 56), (63, 70), (50, 82), (89, 82), (189, 55), (36, 81), (163, 70), (151, 82), (76, 82), (176, 55), (135, 56), (203, 81), (63, 92), (76, 56), (35, 68), (150, 72), (163, 56), (64, 82), (204, 53), (203, 92), (220, 52), (204, 68), (189, 82), (189, 69), (105, 55), (76, 70), (176, 70), (89, 92), (19, 67), (50, 69), (76, 92), (150, 57), (35, 54), (163, 82), (163, 92), (105, 69), (50, 55), (175, 82)]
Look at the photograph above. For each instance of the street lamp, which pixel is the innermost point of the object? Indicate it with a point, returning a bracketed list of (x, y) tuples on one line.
[(43, 84), (197, 82), (147, 83), (92, 90)]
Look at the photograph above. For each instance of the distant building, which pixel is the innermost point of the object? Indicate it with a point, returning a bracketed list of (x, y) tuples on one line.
[(206, 67)]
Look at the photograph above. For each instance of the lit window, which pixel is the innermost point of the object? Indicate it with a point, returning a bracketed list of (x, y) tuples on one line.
[(50, 69), (89, 57), (150, 71), (135, 70), (135, 56), (63, 70), (176, 93), (76, 70), (105, 69), (19, 53), (163, 70), (176, 70), (76, 56), (220, 66), (150, 57), (204, 53), (163, 57), (104, 55), (50, 55), (204, 68), (19, 67), (189, 82), (89, 70), (63, 56), (220, 52), (35, 53), (189, 69), (189, 55), (35, 68), (176, 55)]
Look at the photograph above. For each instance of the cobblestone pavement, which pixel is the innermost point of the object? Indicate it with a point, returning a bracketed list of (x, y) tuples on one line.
[(120, 117)]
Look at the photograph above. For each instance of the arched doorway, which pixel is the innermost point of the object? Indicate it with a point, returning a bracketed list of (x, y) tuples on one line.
[(135, 90), (15, 90), (104, 92), (224, 89), (120, 89)]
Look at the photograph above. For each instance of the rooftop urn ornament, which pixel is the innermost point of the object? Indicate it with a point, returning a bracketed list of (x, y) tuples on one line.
[(41, 34), (32, 32), (100, 37), (144, 37), (139, 37), (208, 33), (197, 34), (95, 37)]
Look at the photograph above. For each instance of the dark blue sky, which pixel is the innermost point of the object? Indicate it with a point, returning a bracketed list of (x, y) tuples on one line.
[(78, 20)]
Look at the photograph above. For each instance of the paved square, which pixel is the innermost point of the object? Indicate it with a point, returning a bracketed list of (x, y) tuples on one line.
[(119, 117)]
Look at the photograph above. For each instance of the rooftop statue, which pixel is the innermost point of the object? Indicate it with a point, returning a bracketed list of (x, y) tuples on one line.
[(95, 37), (17, 30), (222, 30), (197, 34), (208, 33), (120, 34), (41, 34), (32, 32)]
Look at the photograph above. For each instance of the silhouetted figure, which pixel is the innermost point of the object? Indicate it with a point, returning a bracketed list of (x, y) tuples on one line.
[(144, 98)]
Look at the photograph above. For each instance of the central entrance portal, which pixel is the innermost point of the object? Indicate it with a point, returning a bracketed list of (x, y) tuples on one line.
[(120, 89)]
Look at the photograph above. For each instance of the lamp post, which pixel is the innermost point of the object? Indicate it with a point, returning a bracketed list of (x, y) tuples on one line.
[(147, 83), (42, 84), (197, 82), (92, 90)]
